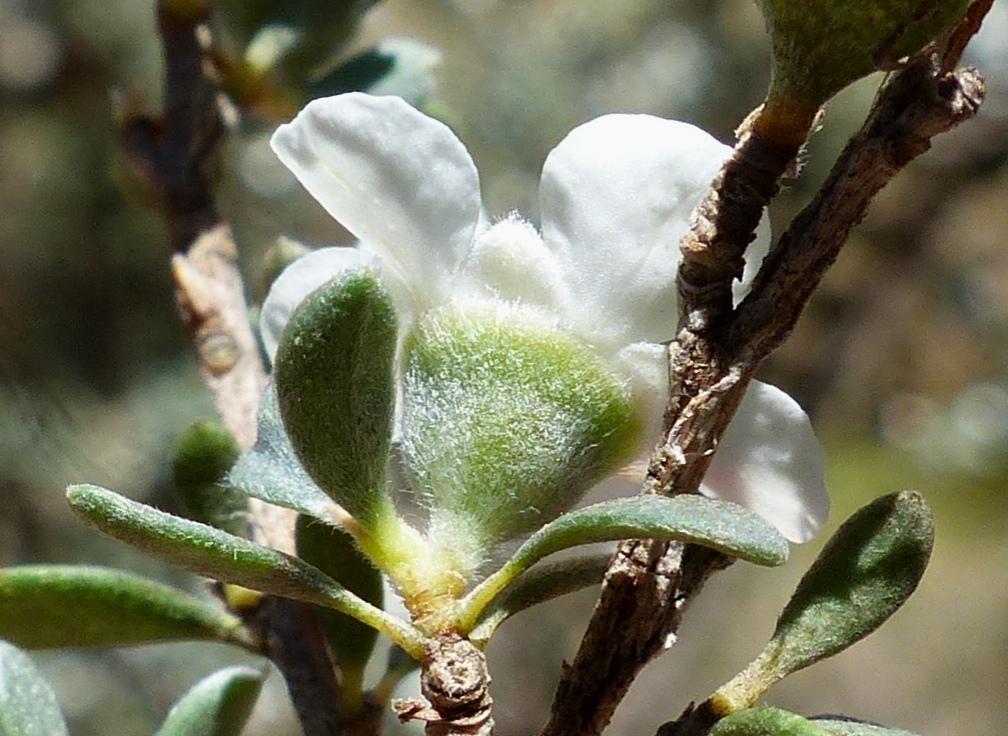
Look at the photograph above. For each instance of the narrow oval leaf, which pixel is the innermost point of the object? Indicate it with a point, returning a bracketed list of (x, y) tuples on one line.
[(865, 572), (227, 558), (842, 726), (721, 525), (202, 456), (766, 722), (336, 392), (218, 705), (538, 585), (335, 553), (43, 606), (27, 704), (271, 471)]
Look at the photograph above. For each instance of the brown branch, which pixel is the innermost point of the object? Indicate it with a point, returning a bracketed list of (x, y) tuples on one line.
[(916, 105), (715, 355), (173, 157)]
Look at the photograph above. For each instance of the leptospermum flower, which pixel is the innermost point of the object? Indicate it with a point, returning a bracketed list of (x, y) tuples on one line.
[(529, 364)]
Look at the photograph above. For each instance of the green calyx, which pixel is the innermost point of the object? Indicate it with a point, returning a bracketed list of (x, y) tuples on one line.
[(506, 424), (336, 391), (821, 46)]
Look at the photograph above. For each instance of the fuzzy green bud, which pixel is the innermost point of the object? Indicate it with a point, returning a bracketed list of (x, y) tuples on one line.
[(821, 46), (507, 423)]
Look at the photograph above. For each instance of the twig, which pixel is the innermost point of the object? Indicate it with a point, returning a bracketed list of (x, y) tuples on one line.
[(456, 683), (174, 155), (715, 355)]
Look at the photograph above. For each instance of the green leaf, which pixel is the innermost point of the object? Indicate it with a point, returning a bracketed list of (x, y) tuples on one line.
[(865, 572), (336, 392), (27, 704), (766, 722), (540, 584), (227, 558), (721, 525), (335, 553), (863, 575), (203, 454), (841, 726), (43, 606), (324, 24), (271, 472), (403, 67), (218, 705)]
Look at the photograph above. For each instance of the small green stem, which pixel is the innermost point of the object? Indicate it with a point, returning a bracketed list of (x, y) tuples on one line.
[(473, 604), (402, 633)]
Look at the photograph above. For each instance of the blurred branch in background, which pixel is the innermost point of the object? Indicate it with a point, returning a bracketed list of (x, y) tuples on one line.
[(176, 154)]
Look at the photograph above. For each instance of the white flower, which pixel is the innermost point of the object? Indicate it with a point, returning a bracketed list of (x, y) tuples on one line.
[(616, 195)]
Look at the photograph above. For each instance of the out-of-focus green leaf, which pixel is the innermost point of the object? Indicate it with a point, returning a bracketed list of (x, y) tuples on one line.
[(203, 454), (218, 705), (538, 585), (402, 67), (852, 727), (27, 704), (766, 722), (865, 572), (284, 251), (208, 551), (43, 606), (721, 525), (335, 553), (336, 393)]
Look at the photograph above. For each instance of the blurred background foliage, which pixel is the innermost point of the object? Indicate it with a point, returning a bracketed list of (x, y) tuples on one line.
[(902, 357)]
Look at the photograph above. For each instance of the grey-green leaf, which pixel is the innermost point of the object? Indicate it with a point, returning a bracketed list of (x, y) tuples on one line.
[(271, 472), (208, 551), (766, 722), (335, 553), (202, 456), (27, 703), (218, 705), (336, 392), (866, 571), (540, 584), (721, 525), (852, 727), (43, 606)]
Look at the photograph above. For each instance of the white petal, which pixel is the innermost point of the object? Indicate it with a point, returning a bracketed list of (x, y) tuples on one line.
[(509, 262), (297, 281), (645, 366), (398, 180), (616, 196), (770, 461)]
